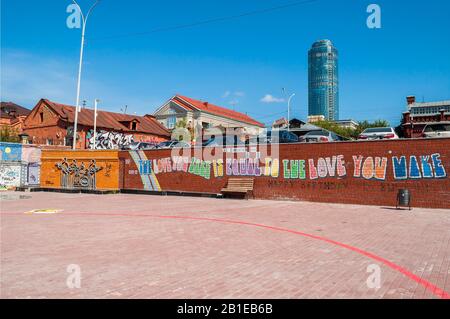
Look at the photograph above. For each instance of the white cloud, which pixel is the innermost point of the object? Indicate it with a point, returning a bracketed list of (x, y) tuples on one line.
[(230, 93), (226, 94), (271, 99)]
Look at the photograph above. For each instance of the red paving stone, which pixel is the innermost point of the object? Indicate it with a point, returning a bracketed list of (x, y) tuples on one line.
[(128, 248)]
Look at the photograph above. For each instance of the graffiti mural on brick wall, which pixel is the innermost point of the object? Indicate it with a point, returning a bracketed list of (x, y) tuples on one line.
[(369, 167), (10, 175), (364, 167), (108, 140), (74, 175)]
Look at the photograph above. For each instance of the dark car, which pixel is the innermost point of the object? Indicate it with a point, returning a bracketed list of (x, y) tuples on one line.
[(224, 141), (277, 136)]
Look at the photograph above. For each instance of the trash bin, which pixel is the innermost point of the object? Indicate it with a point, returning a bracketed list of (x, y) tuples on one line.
[(404, 198)]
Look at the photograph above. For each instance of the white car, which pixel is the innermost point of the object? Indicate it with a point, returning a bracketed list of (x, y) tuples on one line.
[(437, 130), (378, 133)]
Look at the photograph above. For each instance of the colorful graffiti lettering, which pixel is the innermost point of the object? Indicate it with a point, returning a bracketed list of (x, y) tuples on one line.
[(294, 169), (243, 167), (428, 166), (370, 167), (327, 167), (365, 167)]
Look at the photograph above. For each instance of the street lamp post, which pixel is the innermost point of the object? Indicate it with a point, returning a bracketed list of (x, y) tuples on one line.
[(95, 122), (289, 110), (83, 30)]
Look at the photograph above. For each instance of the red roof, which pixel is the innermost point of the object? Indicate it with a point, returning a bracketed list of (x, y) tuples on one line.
[(192, 105), (109, 120), (12, 110)]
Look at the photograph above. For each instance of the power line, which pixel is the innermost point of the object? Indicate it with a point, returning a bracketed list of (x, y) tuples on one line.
[(213, 20)]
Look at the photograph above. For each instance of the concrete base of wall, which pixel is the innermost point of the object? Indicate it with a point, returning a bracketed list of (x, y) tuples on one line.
[(69, 191), (170, 193)]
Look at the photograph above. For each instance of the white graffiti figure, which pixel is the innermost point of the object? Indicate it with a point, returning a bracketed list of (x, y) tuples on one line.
[(109, 140)]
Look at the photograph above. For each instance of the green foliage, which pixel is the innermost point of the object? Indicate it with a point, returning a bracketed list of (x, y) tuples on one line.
[(349, 132), (183, 124), (8, 135)]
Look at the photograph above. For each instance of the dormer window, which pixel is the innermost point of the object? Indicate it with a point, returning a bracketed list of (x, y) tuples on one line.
[(134, 126)]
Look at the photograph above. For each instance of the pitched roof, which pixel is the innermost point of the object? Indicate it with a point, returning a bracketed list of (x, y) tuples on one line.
[(7, 107), (192, 105), (108, 120)]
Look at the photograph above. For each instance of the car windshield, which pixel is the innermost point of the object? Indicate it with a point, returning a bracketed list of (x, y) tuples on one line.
[(378, 130), (230, 140), (438, 128), (164, 144), (182, 144), (320, 133)]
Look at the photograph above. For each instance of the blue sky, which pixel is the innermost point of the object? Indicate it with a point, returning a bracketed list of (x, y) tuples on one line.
[(233, 63)]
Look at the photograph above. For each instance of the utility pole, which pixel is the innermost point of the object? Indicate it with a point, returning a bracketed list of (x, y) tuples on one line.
[(83, 31)]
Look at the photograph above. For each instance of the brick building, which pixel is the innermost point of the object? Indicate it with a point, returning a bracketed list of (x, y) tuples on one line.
[(420, 114), (13, 116), (51, 123)]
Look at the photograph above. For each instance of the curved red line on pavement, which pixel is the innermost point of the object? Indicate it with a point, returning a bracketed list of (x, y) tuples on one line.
[(428, 285)]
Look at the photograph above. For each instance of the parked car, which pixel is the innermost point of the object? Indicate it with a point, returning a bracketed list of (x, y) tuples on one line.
[(437, 130), (139, 146), (219, 141), (172, 144), (320, 136), (378, 133), (277, 136)]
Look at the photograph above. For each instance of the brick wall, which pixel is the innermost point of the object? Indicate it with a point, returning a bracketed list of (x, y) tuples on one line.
[(106, 178), (347, 172)]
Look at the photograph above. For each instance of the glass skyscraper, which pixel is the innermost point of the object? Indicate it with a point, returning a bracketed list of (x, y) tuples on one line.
[(323, 84)]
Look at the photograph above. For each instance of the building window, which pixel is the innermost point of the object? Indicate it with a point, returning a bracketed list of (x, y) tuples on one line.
[(133, 126), (41, 116), (171, 121)]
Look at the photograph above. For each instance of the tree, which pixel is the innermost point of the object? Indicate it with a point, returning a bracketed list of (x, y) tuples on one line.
[(180, 126), (9, 135)]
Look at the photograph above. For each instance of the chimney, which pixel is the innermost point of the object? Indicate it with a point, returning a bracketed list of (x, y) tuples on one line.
[(206, 104), (411, 99)]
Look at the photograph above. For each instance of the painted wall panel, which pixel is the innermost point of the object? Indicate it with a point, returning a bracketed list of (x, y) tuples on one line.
[(347, 172)]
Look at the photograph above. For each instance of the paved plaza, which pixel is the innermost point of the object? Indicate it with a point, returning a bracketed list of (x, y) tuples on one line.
[(142, 246)]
